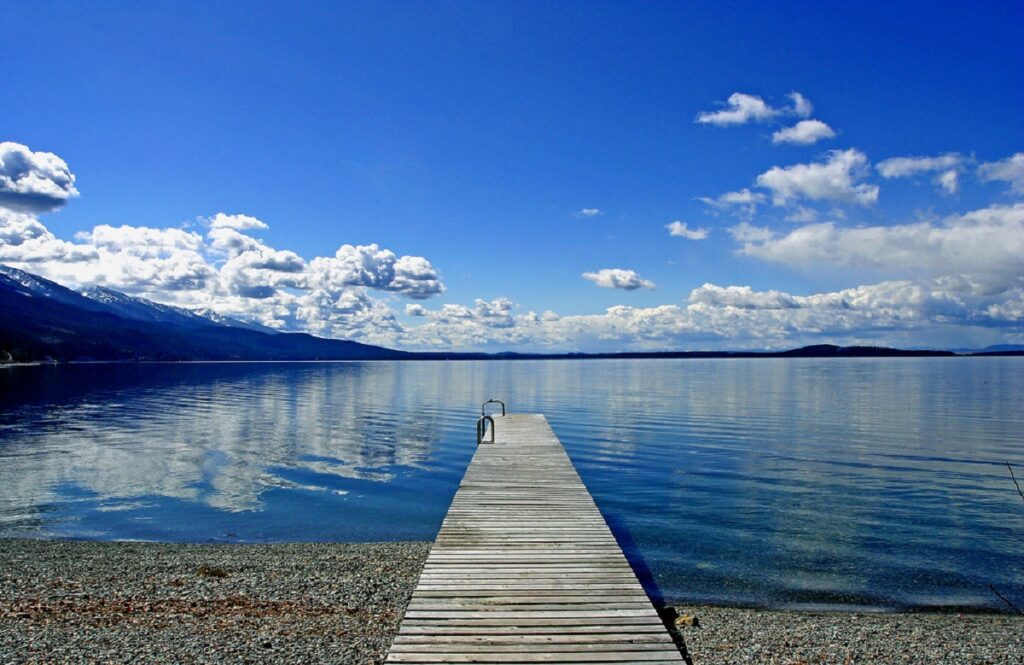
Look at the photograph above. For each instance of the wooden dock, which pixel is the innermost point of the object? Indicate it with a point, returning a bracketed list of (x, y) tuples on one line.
[(526, 570)]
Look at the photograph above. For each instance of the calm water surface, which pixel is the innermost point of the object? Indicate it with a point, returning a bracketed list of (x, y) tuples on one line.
[(787, 483)]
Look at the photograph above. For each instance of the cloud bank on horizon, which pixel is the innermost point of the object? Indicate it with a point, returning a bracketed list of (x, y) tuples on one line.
[(934, 278)]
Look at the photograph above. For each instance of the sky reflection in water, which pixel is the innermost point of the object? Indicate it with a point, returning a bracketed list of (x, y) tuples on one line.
[(800, 483)]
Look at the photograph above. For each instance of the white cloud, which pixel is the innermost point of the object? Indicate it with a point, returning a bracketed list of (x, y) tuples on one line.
[(260, 272), (742, 203), (589, 212), (836, 179), (742, 108), (802, 214), (1010, 309), (741, 296), (371, 266), (746, 232), (495, 313), (618, 278), (335, 311), (885, 305), (801, 105), (33, 181), (142, 241), (237, 222), (949, 181), (986, 243), (902, 167), (228, 272), (232, 242), (415, 278), (461, 326), (24, 240), (17, 228), (948, 166), (741, 317), (962, 274), (805, 132), (680, 229), (1010, 170)]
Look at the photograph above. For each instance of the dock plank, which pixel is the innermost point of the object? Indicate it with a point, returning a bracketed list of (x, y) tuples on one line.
[(525, 568)]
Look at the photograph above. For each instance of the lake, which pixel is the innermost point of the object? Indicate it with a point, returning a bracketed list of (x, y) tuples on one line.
[(869, 484)]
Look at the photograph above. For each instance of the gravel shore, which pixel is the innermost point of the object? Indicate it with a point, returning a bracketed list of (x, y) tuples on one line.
[(84, 602), (79, 602), (733, 635)]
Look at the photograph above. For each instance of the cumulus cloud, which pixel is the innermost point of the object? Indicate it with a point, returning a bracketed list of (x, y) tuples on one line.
[(333, 311), (618, 278), (463, 326), (742, 203), (415, 278), (892, 304), (232, 242), (901, 167), (741, 296), (229, 272), (805, 132), (17, 228), (962, 273), (987, 243), (801, 105), (260, 272), (24, 240), (371, 266), (948, 181), (681, 230), (948, 167), (801, 214), (226, 269), (742, 317), (237, 222), (837, 179), (747, 233), (1009, 170), (589, 212), (142, 240), (33, 181), (742, 108)]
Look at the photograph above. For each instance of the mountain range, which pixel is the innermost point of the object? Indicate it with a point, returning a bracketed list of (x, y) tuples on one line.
[(41, 320)]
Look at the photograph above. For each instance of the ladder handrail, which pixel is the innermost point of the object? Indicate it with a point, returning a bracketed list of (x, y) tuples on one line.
[(483, 407), (481, 429)]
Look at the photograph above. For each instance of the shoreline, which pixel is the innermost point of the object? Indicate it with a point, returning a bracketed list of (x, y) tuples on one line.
[(343, 602)]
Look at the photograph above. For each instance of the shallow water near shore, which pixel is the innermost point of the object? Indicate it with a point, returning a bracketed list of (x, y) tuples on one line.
[(855, 484)]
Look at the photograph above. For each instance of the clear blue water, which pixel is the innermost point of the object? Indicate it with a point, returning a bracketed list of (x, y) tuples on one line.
[(859, 484)]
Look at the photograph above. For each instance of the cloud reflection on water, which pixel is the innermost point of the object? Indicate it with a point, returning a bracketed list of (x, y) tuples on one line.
[(861, 483)]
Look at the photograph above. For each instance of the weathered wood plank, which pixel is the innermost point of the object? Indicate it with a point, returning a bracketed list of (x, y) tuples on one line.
[(525, 569)]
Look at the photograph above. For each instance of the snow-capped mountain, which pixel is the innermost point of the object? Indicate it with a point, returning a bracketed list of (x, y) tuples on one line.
[(211, 315), (33, 286), (42, 320), (140, 309)]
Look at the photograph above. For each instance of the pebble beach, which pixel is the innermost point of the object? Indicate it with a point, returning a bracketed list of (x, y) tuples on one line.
[(93, 602)]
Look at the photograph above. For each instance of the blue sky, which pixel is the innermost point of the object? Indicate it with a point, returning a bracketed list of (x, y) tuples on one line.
[(468, 138)]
